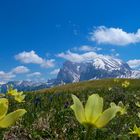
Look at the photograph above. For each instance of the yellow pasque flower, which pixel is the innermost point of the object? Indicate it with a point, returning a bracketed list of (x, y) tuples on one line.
[(116, 80), (18, 96), (110, 88), (11, 91), (135, 131), (7, 120), (125, 84), (137, 104), (123, 108), (93, 113)]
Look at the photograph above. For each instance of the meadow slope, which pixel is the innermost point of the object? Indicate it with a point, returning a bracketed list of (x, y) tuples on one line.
[(49, 116)]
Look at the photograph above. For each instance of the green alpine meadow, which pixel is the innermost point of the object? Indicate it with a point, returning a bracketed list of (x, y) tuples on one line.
[(54, 113)]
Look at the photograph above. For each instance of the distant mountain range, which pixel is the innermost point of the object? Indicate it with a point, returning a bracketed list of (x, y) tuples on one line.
[(27, 85), (98, 68)]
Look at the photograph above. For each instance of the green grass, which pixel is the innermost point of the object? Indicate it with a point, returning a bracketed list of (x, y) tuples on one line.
[(52, 118)]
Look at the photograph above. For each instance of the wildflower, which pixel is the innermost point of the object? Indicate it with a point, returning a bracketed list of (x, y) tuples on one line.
[(18, 96), (116, 80), (11, 91), (125, 84), (6, 120), (137, 104), (122, 109), (110, 88), (93, 114), (136, 131)]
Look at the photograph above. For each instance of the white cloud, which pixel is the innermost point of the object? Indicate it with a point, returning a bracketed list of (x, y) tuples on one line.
[(32, 57), (135, 63), (34, 74), (29, 57), (48, 63), (75, 57), (55, 72), (87, 48), (71, 56), (114, 36), (6, 76), (20, 70)]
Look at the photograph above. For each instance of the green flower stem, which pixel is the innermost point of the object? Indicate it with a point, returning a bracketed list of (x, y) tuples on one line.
[(89, 128)]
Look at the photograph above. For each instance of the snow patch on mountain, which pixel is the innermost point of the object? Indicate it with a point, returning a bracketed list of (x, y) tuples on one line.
[(135, 74), (97, 68)]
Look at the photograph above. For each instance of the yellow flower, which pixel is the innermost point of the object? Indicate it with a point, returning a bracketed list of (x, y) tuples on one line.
[(110, 88), (93, 113), (136, 131), (137, 104), (116, 80), (7, 120), (18, 96), (11, 91), (125, 84), (123, 108)]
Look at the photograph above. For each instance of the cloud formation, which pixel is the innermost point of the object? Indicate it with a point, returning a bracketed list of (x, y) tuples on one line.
[(75, 57), (34, 74), (135, 63), (20, 70), (48, 63), (6, 76), (32, 57), (86, 48), (29, 57), (114, 36)]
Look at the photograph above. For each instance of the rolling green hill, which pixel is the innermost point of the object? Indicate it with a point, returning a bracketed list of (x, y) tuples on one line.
[(49, 116)]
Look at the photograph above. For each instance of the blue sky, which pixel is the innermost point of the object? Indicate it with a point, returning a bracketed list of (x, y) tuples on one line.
[(36, 37)]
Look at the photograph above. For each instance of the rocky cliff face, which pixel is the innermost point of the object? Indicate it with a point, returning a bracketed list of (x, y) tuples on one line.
[(98, 68)]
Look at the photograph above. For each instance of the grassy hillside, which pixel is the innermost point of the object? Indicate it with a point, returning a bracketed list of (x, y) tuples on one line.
[(91, 85), (49, 116)]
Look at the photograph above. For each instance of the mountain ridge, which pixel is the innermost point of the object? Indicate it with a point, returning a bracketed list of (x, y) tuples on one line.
[(98, 68)]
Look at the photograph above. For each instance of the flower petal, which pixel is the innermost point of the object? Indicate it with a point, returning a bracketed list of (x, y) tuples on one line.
[(78, 109), (107, 115), (11, 118), (3, 107), (93, 108)]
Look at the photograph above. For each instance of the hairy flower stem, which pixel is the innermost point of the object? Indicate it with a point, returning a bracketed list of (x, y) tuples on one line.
[(87, 133)]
